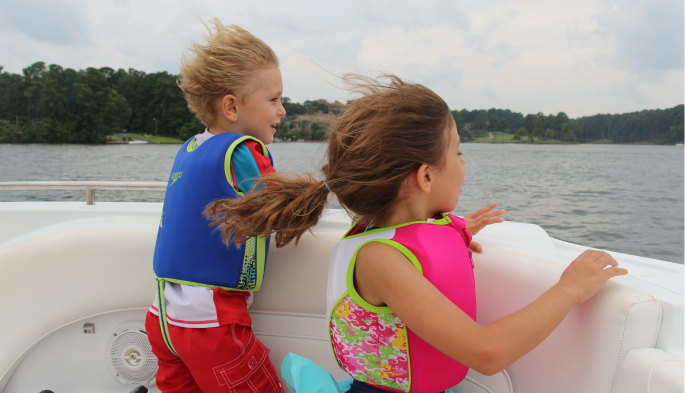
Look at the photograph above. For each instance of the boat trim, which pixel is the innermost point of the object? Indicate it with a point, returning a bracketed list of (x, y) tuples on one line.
[(89, 186)]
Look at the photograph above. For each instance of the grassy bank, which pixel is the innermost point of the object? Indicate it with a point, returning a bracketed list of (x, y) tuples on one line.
[(503, 137), (150, 138)]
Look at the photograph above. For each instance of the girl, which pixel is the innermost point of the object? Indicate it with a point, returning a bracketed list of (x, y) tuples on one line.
[(401, 294)]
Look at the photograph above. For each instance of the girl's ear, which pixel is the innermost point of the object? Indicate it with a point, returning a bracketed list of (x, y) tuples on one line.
[(424, 178), (229, 107)]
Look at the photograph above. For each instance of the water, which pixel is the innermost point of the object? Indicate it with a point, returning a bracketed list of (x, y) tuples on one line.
[(624, 198)]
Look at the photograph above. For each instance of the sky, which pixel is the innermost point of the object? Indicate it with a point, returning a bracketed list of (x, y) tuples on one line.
[(581, 57)]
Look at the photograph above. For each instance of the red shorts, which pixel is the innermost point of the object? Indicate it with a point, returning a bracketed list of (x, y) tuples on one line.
[(227, 358)]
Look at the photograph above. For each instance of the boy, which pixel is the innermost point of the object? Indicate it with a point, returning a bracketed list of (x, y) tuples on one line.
[(198, 325)]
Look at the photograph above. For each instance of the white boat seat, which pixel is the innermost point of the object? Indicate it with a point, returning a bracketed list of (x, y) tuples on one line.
[(476, 382), (585, 353), (650, 370), (103, 266)]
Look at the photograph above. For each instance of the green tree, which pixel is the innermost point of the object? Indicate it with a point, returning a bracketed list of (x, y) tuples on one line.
[(569, 131), (538, 128), (480, 121), (465, 134), (9, 133), (559, 120), (318, 132), (193, 127), (529, 122), (676, 133), (520, 133), (549, 134), (292, 108)]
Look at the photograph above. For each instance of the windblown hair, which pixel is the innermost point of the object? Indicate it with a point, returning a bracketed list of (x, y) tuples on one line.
[(385, 135), (223, 65)]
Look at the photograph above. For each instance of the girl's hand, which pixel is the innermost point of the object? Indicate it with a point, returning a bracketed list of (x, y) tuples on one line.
[(588, 273), (479, 219)]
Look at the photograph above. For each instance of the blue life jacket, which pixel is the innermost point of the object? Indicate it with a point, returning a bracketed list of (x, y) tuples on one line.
[(188, 251)]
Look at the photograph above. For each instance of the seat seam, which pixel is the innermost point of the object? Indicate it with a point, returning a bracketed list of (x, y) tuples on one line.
[(651, 371), (478, 382), (658, 324), (623, 334)]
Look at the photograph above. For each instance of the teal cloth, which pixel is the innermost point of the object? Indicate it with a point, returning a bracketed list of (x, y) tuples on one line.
[(304, 376), (245, 168)]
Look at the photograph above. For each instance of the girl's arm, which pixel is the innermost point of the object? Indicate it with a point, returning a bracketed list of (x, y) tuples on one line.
[(384, 276)]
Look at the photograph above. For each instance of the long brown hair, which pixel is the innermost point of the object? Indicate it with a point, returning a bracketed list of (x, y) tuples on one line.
[(389, 132)]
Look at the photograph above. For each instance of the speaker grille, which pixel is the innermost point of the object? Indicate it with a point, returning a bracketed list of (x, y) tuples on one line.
[(130, 356)]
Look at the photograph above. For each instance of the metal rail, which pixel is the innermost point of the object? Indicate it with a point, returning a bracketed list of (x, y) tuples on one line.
[(89, 186)]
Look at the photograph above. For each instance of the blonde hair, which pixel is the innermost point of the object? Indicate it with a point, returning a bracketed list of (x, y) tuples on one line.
[(223, 65), (376, 143)]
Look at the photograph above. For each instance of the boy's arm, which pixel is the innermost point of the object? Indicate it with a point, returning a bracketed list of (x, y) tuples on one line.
[(249, 164)]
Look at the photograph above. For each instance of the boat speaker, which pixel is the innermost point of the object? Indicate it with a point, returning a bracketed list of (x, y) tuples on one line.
[(129, 355)]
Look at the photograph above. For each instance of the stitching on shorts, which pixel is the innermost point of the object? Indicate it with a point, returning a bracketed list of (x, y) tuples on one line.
[(226, 381), (261, 360), (268, 375), (242, 346), (252, 387)]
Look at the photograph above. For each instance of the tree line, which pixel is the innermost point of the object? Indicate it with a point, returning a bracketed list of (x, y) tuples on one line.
[(661, 126), (50, 104)]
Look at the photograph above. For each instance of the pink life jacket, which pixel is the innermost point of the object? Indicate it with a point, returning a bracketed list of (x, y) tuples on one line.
[(371, 343)]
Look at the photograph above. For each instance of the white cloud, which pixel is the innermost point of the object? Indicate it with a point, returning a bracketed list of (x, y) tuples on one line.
[(644, 35), (581, 57), (58, 23)]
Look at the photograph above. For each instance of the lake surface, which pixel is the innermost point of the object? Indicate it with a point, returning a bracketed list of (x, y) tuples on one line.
[(624, 198)]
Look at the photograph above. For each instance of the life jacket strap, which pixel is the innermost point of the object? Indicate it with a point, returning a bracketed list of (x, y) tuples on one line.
[(163, 324)]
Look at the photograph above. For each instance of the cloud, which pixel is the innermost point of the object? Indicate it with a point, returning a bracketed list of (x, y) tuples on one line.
[(56, 22), (644, 35), (411, 16), (581, 57)]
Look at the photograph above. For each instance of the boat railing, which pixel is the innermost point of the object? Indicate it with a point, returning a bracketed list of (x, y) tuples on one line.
[(89, 186)]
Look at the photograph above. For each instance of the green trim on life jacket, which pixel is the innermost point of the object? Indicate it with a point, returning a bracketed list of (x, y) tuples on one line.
[(229, 153), (445, 220), (192, 145), (349, 279)]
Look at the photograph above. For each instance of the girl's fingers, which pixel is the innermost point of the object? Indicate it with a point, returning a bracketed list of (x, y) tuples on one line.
[(482, 210), (483, 222), (495, 213), (604, 259), (615, 271), (476, 247), (488, 215)]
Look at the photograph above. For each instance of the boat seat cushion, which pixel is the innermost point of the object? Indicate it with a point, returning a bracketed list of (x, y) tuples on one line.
[(585, 352), (650, 370)]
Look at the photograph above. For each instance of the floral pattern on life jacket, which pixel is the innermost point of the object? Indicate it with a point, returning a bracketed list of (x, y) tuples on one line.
[(370, 347)]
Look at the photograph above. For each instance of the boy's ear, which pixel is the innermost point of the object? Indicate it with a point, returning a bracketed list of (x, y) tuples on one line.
[(229, 107)]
